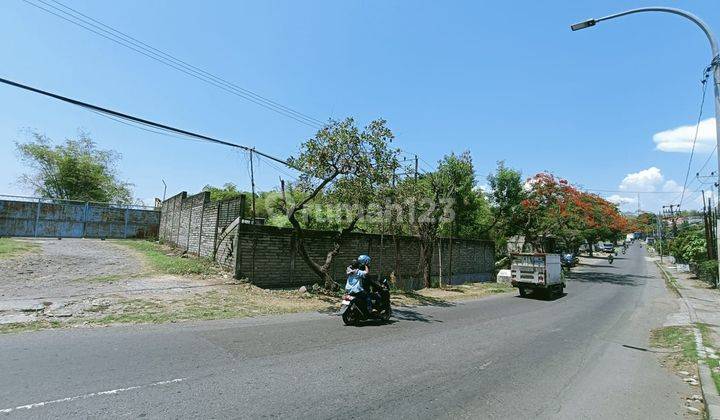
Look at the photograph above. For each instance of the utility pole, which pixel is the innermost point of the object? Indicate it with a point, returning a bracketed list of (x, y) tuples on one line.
[(714, 66), (252, 184), (708, 229), (660, 236), (416, 168), (671, 212)]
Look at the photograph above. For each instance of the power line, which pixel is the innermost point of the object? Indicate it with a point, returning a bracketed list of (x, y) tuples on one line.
[(119, 37), (101, 29), (139, 120), (628, 192), (706, 74), (277, 168), (708, 158), (141, 127)]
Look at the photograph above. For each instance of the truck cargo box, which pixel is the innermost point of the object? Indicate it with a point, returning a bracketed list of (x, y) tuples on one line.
[(537, 271)]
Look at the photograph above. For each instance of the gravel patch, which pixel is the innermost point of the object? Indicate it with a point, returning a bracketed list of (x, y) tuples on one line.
[(60, 266)]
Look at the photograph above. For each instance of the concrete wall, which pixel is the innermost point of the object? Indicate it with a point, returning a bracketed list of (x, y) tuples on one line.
[(268, 256), (73, 219), (196, 225)]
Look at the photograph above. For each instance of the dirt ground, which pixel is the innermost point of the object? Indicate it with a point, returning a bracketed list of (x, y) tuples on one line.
[(85, 279), (65, 267), (81, 282)]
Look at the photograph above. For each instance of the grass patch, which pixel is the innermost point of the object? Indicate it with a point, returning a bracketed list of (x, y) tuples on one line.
[(28, 326), (679, 339), (237, 301), (162, 259), (670, 280), (12, 247), (713, 364)]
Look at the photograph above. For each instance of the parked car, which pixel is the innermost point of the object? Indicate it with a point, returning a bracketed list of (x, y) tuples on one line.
[(608, 247)]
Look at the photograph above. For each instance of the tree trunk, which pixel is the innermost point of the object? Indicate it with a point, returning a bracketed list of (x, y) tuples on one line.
[(426, 250), (322, 271)]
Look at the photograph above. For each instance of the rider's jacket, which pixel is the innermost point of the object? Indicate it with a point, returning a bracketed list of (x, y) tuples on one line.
[(354, 280)]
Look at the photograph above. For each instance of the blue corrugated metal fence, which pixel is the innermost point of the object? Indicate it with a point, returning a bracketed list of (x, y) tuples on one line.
[(38, 217)]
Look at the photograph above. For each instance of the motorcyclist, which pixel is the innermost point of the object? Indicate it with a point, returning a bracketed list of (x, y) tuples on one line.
[(610, 258), (357, 284)]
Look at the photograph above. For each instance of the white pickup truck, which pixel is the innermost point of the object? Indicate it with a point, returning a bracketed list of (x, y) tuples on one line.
[(537, 272)]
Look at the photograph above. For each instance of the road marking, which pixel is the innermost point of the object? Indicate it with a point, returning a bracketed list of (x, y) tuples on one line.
[(92, 394)]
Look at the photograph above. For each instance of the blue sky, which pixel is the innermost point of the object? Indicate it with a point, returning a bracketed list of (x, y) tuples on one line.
[(506, 80)]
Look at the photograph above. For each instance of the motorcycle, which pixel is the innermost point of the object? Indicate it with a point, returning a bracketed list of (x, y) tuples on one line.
[(354, 308), (567, 261), (610, 258)]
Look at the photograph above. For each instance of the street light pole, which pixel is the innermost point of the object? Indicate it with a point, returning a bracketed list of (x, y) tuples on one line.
[(715, 64)]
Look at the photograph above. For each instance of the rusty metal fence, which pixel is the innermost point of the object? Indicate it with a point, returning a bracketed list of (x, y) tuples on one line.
[(41, 217)]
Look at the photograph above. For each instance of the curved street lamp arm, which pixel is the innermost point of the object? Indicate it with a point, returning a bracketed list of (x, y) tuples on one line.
[(696, 20)]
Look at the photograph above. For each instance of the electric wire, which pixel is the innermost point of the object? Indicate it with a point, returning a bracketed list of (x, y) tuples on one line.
[(704, 80), (119, 37), (136, 119), (708, 158), (160, 56)]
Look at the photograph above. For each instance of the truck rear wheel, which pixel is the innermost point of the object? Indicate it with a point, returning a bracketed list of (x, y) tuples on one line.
[(522, 290)]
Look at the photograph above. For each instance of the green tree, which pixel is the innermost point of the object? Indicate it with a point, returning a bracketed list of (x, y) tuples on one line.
[(689, 245), (75, 170), (346, 167), (228, 191), (505, 195), (471, 210), (438, 199)]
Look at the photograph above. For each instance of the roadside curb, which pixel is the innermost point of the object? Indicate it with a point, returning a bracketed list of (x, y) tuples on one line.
[(711, 397)]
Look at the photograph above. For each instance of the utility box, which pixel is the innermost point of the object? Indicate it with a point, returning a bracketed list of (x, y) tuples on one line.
[(537, 271)]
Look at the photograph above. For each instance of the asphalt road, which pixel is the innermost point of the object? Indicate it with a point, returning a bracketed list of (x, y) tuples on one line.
[(579, 356)]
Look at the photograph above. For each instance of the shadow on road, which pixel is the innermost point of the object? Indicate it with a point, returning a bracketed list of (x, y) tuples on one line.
[(411, 315), (397, 315), (612, 278), (537, 295), (421, 300)]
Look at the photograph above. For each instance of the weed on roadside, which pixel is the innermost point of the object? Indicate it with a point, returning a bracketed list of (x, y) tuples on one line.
[(713, 364), (19, 327), (164, 260), (670, 281), (681, 343), (13, 247)]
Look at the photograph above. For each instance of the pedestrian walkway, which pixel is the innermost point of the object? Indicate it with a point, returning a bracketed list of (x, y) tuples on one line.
[(701, 307), (701, 297)]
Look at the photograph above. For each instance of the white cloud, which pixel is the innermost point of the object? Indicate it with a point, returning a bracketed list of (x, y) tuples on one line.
[(650, 180), (620, 200), (679, 139), (645, 180), (672, 186)]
